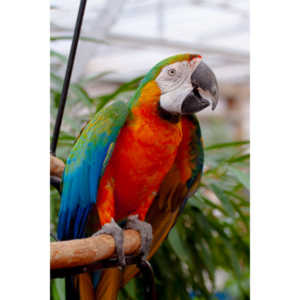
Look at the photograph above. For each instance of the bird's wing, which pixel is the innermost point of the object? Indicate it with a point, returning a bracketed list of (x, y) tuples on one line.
[(84, 168), (179, 184)]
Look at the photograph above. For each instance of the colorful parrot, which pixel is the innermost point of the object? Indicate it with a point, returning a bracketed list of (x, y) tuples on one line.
[(139, 161)]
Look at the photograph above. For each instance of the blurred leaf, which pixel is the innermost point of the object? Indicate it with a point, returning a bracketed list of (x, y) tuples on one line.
[(226, 145), (76, 89), (239, 158), (56, 97), (58, 289), (195, 201), (131, 289), (66, 136), (238, 197), (176, 243), (57, 80), (213, 205), (81, 93), (241, 176), (62, 57), (224, 199), (233, 257), (208, 260)]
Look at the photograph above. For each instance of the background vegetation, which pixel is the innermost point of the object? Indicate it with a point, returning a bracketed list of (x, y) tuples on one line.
[(206, 255)]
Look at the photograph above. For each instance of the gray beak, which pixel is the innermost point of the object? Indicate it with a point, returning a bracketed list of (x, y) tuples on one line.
[(205, 90)]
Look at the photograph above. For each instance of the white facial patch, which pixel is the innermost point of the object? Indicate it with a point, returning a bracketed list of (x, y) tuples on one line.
[(174, 82)]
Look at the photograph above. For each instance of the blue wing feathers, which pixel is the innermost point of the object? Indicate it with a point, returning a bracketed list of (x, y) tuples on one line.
[(84, 168)]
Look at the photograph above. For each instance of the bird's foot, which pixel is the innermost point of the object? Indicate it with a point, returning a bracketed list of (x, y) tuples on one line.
[(145, 230), (116, 232)]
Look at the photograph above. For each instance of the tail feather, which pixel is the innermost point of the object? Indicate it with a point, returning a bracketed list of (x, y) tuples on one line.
[(109, 285), (79, 287), (86, 287)]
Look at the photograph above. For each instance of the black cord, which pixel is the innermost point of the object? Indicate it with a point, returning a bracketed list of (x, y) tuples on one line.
[(56, 182), (68, 74), (148, 279)]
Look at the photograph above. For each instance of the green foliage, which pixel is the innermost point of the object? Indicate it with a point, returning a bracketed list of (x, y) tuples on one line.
[(208, 249)]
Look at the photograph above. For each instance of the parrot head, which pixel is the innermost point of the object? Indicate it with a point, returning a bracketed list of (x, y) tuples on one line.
[(187, 85)]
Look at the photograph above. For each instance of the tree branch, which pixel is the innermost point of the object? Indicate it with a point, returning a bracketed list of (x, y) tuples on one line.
[(56, 166), (73, 253)]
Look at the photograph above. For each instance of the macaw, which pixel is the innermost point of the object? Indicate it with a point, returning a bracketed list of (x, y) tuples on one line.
[(139, 161)]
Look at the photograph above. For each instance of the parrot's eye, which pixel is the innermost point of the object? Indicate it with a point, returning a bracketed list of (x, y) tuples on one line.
[(172, 76), (172, 72)]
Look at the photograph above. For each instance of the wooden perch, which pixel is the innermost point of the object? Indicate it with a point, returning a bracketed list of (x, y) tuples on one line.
[(85, 251), (56, 166)]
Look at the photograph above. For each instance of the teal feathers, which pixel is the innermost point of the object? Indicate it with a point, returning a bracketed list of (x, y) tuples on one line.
[(84, 168)]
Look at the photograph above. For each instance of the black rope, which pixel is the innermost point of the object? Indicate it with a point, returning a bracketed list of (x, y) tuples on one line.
[(66, 84), (148, 279), (56, 182)]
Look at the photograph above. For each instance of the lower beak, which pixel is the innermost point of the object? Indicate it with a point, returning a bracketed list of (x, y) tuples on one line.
[(205, 90), (194, 103)]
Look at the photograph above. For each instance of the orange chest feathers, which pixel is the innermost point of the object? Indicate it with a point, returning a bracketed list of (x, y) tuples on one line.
[(147, 146), (145, 151)]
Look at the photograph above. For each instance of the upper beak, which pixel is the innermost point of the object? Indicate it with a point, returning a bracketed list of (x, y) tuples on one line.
[(205, 90), (205, 80)]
